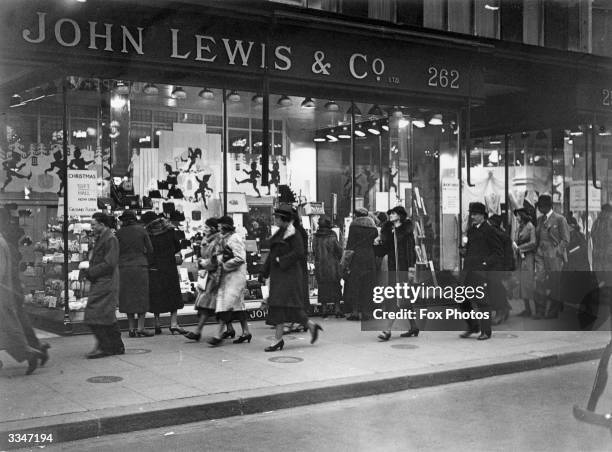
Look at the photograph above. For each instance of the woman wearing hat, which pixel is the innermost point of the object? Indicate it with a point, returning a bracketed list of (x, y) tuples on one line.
[(360, 272), (397, 243), (134, 248), (284, 268), (327, 253), (525, 246), (230, 294), (206, 300), (164, 287)]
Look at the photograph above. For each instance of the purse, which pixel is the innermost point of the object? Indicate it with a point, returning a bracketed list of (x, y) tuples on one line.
[(345, 262)]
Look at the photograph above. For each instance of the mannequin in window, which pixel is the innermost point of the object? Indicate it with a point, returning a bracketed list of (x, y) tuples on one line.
[(192, 156), (12, 168), (78, 162), (253, 175)]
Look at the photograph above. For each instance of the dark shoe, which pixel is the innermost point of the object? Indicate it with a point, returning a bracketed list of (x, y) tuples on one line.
[(229, 334), (314, 334), (412, 332), (121, 351), (214, 341), (132, 333), (384, 336), (44, 347), (244, 338), (177, 330), (99, 354), (278, 346), (193, 336), (468, 333), (484, 336), (525, 313), (352, 317), (158, 330), (144, 333), (339, 315), (33, 358)]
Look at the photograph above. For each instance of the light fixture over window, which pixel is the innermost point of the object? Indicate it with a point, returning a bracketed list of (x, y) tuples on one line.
[(345, 133), (354, 110), (319, 137), (436, 120), (373, 128), (375, 111), (308, 103), (284, 101), (492, 5), (150, 89), (359, 131), (206, 94), (257, 99), (332, 106), (178, 93), (418, 123), (234, 96)]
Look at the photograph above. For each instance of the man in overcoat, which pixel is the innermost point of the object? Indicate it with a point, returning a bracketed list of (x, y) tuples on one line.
[(483, 254), (103, 272), (552, 238)]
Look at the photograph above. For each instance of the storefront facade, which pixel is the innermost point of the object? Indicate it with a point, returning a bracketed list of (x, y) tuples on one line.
[(201, 110)]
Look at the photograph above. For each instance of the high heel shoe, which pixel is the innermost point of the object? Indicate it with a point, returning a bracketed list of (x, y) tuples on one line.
[(278, 346), (214, 341), (193, 336), (177, 329), (384, 336), (33, 358), (132, 333), (243, 338), (314, 334), (339, 315), (484, 336), (144, 333), (229, 334), (44, 347), (412, 332)]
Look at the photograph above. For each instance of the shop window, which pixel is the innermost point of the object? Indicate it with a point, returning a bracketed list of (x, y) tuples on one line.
[(556, 24), (602, 28), (435, 14), (165, 117), (139, 115)]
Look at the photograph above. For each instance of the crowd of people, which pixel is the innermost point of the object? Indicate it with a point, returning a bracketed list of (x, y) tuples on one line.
[(134, 267)]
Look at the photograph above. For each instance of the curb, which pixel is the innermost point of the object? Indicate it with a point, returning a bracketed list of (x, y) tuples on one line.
[(73, 427)]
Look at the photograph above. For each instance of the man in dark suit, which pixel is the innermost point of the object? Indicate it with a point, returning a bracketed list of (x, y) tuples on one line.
[(552, 238), (483, 254)]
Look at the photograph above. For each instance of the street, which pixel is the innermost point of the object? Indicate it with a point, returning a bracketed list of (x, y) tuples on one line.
[(529, 411)]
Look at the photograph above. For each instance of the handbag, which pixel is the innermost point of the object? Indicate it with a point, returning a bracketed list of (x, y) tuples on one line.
[(178, 258)]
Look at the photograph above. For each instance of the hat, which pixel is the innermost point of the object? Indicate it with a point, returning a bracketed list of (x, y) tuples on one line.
[(212, 222), (148, 217), (324, 222), (400, 211), (177, 216), (478, 207), (128, 215), (361, 212), (226, 219), (284, 212), (520, 210), (545, 201)]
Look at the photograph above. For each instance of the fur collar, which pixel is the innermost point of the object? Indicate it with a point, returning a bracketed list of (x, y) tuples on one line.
[(364, 222), (289, 232)]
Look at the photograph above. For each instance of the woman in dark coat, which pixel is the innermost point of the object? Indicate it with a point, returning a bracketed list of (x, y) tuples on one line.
[(164, 287), (397, 234), (601, 233), (134, 248), (327, 254), (361, 279), (103, 272), (284, 268)]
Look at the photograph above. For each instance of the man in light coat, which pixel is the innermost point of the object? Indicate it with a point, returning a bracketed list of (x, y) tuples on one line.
[(552, 238)]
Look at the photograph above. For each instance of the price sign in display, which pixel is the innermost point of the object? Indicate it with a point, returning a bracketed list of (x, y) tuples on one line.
[(82, 193)]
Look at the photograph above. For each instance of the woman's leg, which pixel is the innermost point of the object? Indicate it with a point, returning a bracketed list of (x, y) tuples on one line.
[(278, 333), (131, 321), (157, 325), (174, 319), (244, 324), (141, 321)]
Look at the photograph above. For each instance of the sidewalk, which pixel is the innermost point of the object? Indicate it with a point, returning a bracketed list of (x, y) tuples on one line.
[(167, 380)]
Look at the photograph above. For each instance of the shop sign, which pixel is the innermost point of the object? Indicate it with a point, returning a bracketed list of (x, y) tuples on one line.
[(450, 196), (314, 208), (82, 193), (595, 97), (172, 37)]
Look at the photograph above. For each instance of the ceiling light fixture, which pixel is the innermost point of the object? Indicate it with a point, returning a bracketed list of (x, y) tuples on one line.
[(332, 106), (319, 138), (385, 125), (122, 88), (603, 132), (418, 123), (353, 110), (373, 128), (345, 133), (284, 101), (206, 94), (257, 99), (396, 112), (308, 103), (150, 89), (436, 120), (234, 96), (331, 137), (375, 111), (178, 93), (359, 131), (16, 101)]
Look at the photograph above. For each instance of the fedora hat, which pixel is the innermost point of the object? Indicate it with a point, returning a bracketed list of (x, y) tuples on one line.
[(284, 212), (478, 207), (148, 217), (128, 215)]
